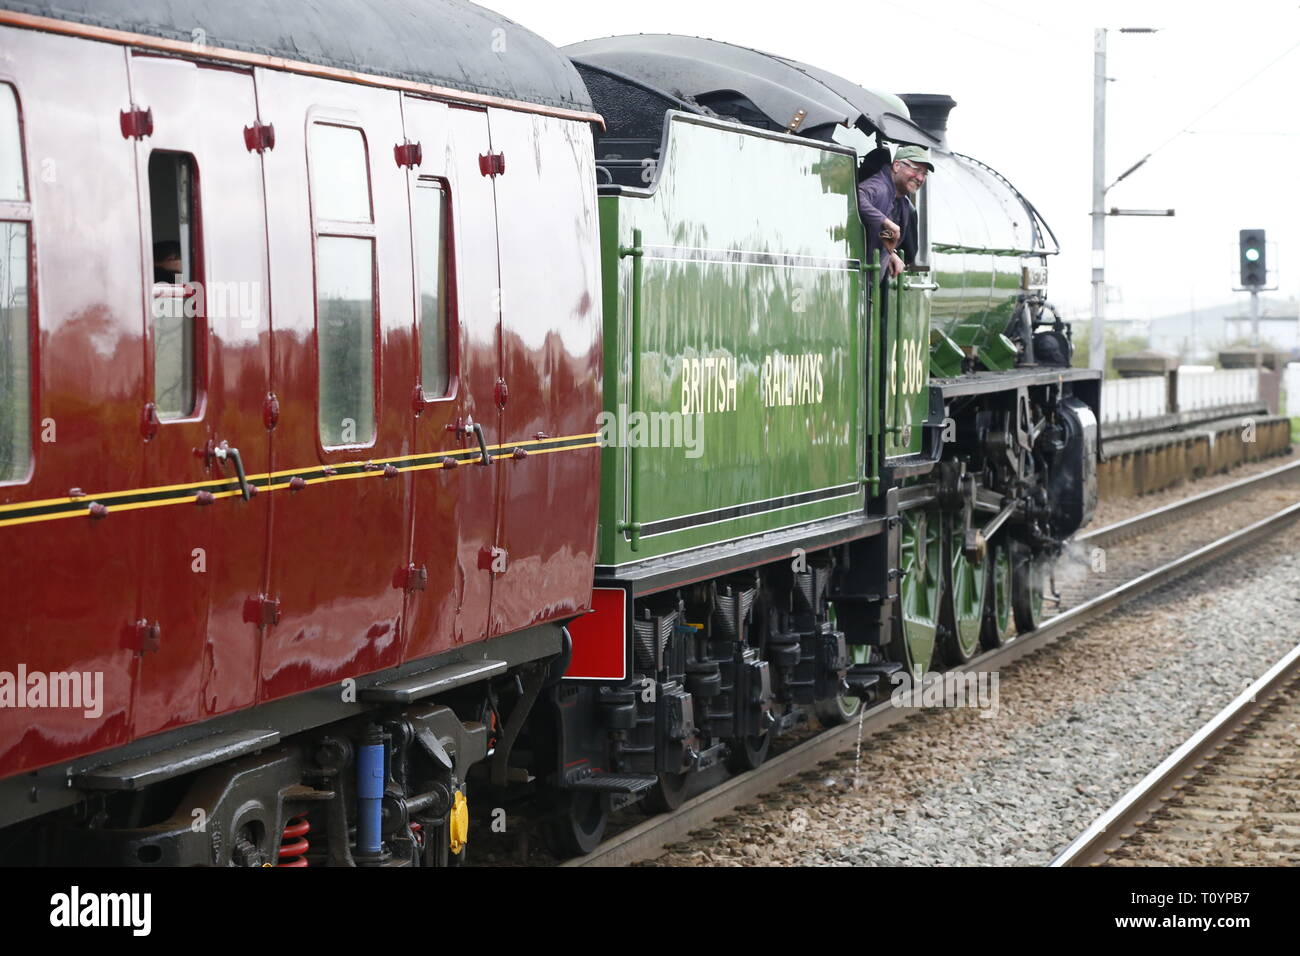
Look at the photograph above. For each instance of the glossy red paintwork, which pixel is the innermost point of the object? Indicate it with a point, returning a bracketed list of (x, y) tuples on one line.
[(72, 586), (337, 543), (330, 553), (207, 655), (456, 510), (551, 359)]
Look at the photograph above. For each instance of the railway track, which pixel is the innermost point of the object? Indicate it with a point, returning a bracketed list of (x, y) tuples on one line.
[(1187, 507), (843, 744), (1230, 795)]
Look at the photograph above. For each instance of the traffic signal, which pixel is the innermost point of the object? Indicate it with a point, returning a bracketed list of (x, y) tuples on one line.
[(1254, 270)]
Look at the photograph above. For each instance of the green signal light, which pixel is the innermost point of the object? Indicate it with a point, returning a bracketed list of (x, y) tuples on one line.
[(1252, 255)]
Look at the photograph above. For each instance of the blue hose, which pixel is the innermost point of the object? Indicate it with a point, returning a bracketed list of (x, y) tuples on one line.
[(370, 794)]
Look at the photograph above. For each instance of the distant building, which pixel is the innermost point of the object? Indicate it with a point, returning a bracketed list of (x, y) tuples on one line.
[(1196, 336)]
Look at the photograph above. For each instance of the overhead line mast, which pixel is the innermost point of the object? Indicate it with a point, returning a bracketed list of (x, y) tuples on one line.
[(1097, 336)]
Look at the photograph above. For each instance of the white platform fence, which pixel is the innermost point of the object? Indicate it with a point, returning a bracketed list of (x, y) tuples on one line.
[(1199, 388), (1291, 391)]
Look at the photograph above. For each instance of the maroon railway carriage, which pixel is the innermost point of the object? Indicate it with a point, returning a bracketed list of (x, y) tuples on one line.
[(301, 361)]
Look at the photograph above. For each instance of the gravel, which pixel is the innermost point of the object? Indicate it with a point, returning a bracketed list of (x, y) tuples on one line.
[(1242, 809), (1077, 725)]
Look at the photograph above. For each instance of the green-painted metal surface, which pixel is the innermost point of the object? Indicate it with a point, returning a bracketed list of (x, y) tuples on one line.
[(921, 588), (875, 427), (981, 239), (1002, 253), (907, 375), (968, 584), (998, 353), (1000, 625), (740, 402), (945, 355)]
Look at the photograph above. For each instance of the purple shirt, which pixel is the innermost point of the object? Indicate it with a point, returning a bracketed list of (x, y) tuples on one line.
[(878, 200)]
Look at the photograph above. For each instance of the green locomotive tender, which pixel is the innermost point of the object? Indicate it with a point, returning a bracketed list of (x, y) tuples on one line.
[(813, 485)]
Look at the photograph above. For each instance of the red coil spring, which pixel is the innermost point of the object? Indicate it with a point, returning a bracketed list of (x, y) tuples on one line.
[(293, 842)]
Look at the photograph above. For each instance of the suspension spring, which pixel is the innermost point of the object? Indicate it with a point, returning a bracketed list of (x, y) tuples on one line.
[(293, 842)]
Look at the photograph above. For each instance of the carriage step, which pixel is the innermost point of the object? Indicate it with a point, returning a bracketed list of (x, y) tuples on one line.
[(406, 690), (616, 782), (140, 772)]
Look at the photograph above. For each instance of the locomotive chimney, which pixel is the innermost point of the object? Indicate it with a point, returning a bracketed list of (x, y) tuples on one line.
[(930, 112)]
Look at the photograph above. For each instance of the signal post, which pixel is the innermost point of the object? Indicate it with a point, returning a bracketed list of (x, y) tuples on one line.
[(1253, 264)]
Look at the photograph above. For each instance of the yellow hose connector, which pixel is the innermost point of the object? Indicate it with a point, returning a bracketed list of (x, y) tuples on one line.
[(458, 823)]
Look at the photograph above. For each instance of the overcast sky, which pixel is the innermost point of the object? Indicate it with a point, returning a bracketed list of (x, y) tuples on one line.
[(1226, 141)]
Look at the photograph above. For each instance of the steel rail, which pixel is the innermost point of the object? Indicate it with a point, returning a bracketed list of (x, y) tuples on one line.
[(1150, 520), (1118, 824), (645, 840)]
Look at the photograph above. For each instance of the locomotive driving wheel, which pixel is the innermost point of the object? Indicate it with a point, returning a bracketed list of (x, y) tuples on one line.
[(920, 590), (964, 609), (1027, 575), (997, 609)]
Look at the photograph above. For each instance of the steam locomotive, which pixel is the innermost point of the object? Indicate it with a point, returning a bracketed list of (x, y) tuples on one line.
[(405, 419)]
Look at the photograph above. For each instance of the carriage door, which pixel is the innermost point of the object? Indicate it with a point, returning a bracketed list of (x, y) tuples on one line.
[(206, 355), (551, 328), (453, 229)]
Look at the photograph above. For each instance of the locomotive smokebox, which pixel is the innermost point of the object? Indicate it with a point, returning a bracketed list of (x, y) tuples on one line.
[(930, 112)]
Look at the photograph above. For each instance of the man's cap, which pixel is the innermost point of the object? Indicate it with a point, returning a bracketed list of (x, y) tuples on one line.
[(915, 154)]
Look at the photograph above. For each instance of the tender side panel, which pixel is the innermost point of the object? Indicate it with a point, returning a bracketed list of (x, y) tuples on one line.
[(747, 412)]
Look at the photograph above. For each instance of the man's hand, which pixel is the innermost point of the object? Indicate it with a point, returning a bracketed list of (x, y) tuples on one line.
[(895, 265), (889, 234)]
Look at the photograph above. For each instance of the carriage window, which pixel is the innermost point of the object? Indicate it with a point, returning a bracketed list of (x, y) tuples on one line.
[(13, 184), (431, 223), (15, 355), (345, 324), (340, 180), (177, 293), (345, 285)]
